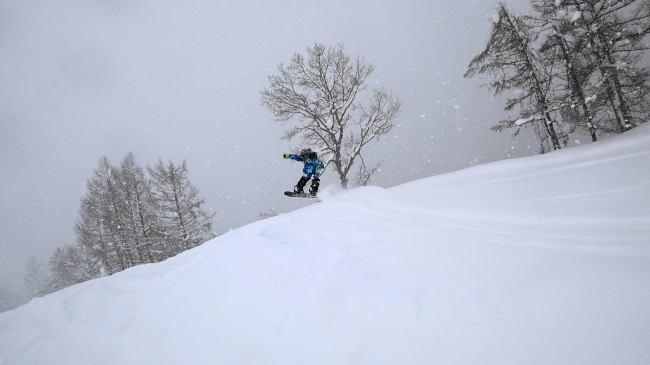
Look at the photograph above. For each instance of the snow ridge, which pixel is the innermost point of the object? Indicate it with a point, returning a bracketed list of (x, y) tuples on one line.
[(540, 260)]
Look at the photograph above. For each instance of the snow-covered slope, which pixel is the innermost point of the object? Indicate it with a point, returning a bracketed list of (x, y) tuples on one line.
[(542, 260)]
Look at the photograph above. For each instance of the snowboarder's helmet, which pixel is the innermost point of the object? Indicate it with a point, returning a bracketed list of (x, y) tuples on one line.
[(305, 151)]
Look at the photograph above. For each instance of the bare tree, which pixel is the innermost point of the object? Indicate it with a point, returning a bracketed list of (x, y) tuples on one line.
[(272, 212), (321, 93), (364, 174)]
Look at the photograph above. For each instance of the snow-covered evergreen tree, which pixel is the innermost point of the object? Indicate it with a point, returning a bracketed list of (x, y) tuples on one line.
[(99, 227), (141, 222), (37, 278), (570, 93), (610, 34), (184, 222), (71, 265), (511, 58), (9, 299), (5, 302), (128, 219), (576, 64)]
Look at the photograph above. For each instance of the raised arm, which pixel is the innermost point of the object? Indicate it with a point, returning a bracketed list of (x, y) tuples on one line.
[(293, 157)]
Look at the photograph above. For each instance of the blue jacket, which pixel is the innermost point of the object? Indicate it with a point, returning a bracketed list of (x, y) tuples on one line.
[(313, 166)]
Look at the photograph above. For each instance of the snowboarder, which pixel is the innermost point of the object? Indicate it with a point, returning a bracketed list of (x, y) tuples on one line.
[(312, 170)]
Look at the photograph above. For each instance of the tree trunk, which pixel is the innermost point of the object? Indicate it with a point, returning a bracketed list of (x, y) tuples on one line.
[(522, 49), (606, 64), (576, 88)]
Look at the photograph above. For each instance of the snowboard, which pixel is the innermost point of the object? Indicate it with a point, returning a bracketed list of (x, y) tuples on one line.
[(298, 195)]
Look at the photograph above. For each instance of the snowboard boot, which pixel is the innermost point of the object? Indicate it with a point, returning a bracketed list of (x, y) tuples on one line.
[(313, 189), (300, 185)]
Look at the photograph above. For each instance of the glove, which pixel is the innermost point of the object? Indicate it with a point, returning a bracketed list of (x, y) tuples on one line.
[(286, 155)]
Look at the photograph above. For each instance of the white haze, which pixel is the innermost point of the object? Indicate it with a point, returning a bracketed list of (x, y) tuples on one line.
[(181, 80)]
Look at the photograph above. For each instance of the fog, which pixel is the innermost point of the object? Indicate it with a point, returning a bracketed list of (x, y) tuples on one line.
[(181, 80)]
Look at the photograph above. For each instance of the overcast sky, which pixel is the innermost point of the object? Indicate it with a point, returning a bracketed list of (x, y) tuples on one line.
[(182, 79)]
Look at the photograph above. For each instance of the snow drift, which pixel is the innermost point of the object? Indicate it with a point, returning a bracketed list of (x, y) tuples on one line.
[(541, 260)]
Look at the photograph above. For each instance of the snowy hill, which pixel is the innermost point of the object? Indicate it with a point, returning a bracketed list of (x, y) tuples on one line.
[(542, 260)]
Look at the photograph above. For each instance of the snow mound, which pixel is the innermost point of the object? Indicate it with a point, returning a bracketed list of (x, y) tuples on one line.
[(540, 260)]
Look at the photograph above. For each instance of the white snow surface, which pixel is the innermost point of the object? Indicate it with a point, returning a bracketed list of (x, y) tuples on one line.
[(522, 121), (589, 99), (539, 260), (577, 15)]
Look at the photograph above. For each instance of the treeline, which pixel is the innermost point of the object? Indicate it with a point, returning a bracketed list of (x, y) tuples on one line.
[(128, 218), (571, 65)]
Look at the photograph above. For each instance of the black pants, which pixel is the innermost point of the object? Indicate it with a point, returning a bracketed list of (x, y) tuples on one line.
[(313, 189)]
